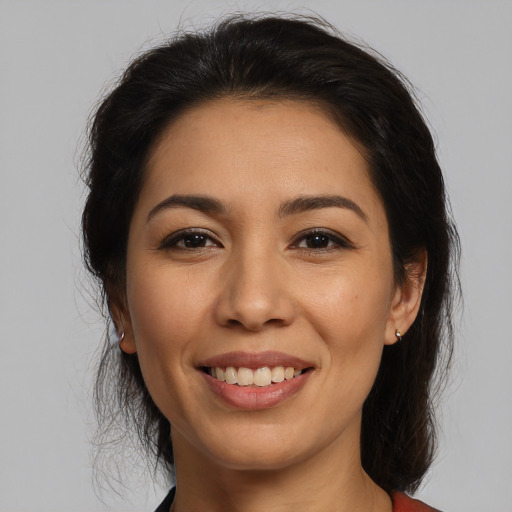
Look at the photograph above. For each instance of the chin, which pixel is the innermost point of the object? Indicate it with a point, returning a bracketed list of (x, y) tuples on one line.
[(262, 450), (258, 460)]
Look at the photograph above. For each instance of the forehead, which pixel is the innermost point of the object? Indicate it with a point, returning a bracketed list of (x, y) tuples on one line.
[(258, 150)]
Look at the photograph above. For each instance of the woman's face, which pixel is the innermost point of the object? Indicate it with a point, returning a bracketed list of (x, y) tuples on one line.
[(258, 242)]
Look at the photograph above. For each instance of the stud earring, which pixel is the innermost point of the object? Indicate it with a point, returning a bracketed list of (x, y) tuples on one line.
[(398, 334)]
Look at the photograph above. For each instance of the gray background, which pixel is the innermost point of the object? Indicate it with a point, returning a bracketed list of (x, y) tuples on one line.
[(55, 58)]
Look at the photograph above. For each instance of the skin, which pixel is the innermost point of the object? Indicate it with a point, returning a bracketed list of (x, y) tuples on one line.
[(260, 283)]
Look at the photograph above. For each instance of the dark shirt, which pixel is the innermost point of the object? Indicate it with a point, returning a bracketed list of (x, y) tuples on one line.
[(166, 504)]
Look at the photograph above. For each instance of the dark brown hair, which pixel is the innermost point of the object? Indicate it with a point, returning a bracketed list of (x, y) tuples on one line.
[(297, 58)]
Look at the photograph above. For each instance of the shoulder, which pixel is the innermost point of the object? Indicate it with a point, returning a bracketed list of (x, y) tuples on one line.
[(404, 503)]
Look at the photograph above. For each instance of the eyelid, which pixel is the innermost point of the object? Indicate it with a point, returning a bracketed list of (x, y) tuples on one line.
[(172, 239), (340, 240)]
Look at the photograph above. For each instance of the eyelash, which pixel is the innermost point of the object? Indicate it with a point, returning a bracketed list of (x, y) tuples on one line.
[(335, 241), (172, 241)]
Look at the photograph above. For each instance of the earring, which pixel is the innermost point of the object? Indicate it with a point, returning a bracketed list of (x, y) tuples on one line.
[(120, 341), (398, 334)]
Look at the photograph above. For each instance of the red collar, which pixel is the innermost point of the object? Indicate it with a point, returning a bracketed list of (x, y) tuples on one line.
[(403, 503)]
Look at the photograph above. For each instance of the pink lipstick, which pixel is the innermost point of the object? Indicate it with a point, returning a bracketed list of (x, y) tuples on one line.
[(277, 377)]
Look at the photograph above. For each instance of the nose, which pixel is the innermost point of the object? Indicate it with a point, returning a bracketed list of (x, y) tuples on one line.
[(255, 293)]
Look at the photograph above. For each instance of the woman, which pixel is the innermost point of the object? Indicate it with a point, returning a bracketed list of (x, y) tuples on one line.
[(268, 223)]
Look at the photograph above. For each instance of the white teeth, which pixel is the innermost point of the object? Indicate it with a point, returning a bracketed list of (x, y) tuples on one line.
[(245, 377), (261, 377), (231, 375), (278, 374), (288, 373)]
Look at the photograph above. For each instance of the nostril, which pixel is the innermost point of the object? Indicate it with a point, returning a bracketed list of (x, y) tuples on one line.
[(276, 321), (255, 325)]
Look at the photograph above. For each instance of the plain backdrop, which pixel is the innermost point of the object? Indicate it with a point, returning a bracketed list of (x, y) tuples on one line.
[(55, 59)]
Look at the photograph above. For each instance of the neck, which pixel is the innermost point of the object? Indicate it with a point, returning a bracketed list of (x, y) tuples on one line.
[(331, 480)]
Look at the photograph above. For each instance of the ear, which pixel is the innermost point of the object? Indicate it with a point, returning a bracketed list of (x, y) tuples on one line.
[(123, 325), (407, 298)]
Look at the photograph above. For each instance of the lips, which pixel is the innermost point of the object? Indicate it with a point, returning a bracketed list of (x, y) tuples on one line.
[(255, 380), (255, 360)]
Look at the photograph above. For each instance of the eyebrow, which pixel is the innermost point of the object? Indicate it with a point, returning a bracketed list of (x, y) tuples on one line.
[(204, 204), (207, 204), (306, 203)]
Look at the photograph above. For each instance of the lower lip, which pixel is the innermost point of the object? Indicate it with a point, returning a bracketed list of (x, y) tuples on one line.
[(256, 398)]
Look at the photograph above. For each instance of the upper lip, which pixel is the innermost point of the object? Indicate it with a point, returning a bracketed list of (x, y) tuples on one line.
[(255, 360)]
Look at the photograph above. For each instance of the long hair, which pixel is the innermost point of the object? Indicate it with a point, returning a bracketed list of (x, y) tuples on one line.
[(285, 58)]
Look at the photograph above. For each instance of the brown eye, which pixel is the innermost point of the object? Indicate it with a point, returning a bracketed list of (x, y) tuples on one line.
[(189, 240), (194, 241), (317, 241), (321, 240)]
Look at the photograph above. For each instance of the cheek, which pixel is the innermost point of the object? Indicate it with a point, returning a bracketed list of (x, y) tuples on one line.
[(350, 314), (163, 306), (355, 303), (164, 313), (167, 312)]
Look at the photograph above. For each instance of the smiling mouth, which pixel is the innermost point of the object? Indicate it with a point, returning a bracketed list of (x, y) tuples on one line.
[(260, 377)]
